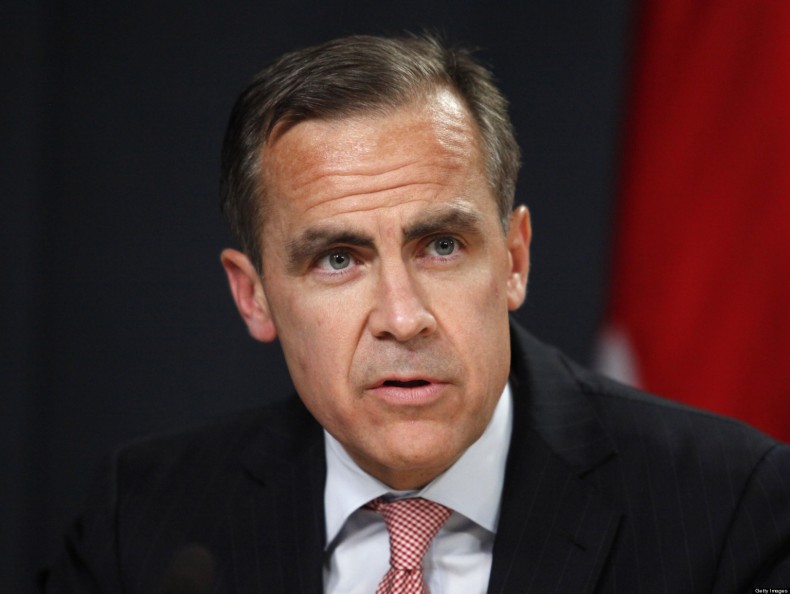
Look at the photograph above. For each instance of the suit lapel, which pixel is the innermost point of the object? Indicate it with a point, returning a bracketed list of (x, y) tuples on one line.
[(555, 531), (289, 466)]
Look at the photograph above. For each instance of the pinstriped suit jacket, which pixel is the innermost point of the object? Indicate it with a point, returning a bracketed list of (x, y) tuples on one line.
[(608, 490)]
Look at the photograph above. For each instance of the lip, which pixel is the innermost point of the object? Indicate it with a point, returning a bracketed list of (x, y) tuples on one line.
[(396, 391)]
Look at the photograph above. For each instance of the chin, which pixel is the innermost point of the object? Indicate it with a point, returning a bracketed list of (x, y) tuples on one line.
[(425, 460)]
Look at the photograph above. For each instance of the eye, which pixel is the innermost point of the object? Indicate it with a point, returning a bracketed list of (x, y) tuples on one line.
[(443, 246), (337, 260)]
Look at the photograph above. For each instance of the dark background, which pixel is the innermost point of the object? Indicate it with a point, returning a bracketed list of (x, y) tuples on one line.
[(116, 320)]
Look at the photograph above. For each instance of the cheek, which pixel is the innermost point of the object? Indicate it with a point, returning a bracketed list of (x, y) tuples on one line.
[(318, 334), (483, 301), (482, 325), (306, 314)]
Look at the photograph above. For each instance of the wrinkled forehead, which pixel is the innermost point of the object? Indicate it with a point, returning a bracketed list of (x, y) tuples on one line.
[(437, 126)]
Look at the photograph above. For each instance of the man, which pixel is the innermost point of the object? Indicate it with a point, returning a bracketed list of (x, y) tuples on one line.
[(370, 183)]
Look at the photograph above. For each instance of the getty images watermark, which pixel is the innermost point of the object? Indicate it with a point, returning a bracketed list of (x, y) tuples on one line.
[(771, 591)]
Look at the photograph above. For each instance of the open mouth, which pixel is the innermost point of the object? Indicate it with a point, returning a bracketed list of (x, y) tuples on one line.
[(406, 392), (408, 384)]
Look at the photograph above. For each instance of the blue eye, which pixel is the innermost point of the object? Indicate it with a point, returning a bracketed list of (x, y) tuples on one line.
[(444, 246), (339, 260)]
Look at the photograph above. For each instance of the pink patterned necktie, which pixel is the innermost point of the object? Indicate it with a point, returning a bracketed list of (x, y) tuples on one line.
[(412, 524)]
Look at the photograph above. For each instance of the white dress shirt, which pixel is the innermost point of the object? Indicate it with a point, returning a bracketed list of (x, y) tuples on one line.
[(459, 559)]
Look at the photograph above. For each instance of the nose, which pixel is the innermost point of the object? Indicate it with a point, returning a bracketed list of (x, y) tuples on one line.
[(400, 311)]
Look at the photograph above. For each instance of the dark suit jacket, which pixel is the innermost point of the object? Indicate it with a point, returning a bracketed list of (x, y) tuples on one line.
[(607, 490)]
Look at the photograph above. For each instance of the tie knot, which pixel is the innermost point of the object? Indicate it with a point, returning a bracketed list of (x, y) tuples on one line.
[(412, 524)]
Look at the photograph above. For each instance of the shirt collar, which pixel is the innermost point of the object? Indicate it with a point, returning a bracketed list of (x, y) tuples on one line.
[(472, 486)]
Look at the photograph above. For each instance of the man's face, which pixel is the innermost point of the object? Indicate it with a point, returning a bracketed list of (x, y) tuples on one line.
[(388, 279)]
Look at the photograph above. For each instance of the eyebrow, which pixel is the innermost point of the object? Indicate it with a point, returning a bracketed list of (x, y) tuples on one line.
[(319, 239), (455, 219)]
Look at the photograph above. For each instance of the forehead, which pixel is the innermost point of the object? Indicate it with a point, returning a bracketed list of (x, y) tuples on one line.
[(428, 141)]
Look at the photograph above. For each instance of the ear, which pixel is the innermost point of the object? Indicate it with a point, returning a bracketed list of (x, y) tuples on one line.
[(249, 295), (519, 236)]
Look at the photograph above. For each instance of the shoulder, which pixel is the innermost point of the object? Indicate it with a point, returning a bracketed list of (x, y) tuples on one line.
[(632, 418), (708, 481), (276, 431), (644, 423), (652, 438), (203, 485), (703, 494)]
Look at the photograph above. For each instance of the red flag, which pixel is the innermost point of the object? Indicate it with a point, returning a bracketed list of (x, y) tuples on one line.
[(701, 273)]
